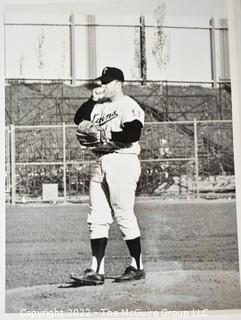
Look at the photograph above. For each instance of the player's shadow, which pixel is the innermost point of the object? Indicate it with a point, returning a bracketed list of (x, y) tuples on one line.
[(78, 283), (73, 284)]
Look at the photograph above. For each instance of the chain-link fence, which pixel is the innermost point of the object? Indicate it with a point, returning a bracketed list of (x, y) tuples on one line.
[(187, 140), (183, 159)]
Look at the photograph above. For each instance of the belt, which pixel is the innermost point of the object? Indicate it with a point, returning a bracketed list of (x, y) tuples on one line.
[(101, 153)]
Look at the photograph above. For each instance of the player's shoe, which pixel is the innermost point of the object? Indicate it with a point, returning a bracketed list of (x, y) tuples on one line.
[(131, 274), (89, 278)]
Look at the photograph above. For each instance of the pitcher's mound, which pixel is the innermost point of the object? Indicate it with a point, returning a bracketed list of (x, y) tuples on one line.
[(174, 290)]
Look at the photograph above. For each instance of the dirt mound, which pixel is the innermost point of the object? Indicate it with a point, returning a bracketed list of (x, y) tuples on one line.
[(198, 291)]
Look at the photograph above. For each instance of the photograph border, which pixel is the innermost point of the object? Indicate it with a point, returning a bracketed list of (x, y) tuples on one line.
[(234, 21)]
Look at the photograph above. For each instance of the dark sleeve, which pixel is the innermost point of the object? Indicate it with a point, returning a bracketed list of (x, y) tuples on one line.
[(131, 132), (84, 111)]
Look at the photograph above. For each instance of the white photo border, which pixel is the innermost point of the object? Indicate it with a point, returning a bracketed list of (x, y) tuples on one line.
[(234, 19)]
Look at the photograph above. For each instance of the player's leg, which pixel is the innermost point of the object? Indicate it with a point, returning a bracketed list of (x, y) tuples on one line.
[(122, 174), (99, 221), (98, 254), (134, 246)]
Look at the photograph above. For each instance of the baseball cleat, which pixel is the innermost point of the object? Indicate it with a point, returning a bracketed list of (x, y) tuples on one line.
[(89, 278), (131, 274)]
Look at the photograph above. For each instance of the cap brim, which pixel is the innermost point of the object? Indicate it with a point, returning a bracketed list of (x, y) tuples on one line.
[(104, 79)]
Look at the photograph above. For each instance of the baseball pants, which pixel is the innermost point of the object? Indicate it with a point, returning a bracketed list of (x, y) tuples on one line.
[(112, 195)]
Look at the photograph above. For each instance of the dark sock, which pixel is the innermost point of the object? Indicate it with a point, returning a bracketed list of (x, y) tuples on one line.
[(98, 249), (134, 246)]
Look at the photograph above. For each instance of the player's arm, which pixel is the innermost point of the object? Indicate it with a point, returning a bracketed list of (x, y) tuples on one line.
[(131, 132), (84, 111)]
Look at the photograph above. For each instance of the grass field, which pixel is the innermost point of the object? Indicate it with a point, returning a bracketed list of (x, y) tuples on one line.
[(44, 244)]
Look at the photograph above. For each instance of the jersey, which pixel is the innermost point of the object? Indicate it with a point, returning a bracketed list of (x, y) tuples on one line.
[(112, 115)]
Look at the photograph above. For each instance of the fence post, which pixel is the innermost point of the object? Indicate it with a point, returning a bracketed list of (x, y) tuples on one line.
[(13, 168), (213, 53), (72, 49), (7, 163), (91, 29), (143, 49), (196, 157), (165, 114), (64, 161)]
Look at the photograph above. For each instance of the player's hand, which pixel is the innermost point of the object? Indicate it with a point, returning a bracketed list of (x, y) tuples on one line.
[(105, 136), (98, 93)]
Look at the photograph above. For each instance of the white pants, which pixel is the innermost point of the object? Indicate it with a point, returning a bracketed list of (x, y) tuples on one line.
[(112, 195)]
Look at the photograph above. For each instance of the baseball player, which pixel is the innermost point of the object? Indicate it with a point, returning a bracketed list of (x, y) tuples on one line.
[(114, 122)]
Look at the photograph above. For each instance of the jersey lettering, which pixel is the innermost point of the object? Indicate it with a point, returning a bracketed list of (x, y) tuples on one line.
[(112, 116), (105, 118)]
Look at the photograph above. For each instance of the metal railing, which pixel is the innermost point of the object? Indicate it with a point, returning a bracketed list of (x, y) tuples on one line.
[(148, 49)]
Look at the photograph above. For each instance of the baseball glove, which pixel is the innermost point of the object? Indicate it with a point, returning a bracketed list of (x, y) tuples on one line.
[(88, 134)]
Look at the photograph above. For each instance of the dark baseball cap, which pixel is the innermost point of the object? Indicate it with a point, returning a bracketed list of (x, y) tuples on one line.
[(109, 74)]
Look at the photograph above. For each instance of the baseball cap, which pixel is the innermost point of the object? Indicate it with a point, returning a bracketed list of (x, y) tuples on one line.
[(109, 74)]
